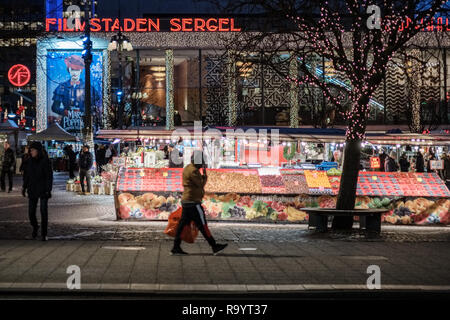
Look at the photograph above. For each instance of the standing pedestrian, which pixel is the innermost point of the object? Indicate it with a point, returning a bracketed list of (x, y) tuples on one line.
[(404, 163), (25, 157), (390, 165), (72, 160), (100, 158), (8, 164), (85, 163), (383, 157), (174, 156), (38, 182), (420, 163), (446, 171), (194, 189), (430, 157)]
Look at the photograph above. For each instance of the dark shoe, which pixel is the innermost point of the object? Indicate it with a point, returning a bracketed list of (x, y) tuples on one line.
[(177, 252), (10, 190), (219, 247), (35, 232), (45, 238)]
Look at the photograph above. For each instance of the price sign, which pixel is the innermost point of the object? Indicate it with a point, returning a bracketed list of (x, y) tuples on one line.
[(165, 174), (374, 177), (375, 162), (419, 179), (437, 164)]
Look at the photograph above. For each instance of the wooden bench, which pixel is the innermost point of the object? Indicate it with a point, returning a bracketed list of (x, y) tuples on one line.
[(368, 218)]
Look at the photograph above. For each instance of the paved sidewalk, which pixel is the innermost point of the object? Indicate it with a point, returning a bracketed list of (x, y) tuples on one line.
[(243, 267)]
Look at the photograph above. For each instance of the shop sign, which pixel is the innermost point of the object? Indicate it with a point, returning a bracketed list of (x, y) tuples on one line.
[(143, 25), (375, 162), (19, 75), (437, 164)]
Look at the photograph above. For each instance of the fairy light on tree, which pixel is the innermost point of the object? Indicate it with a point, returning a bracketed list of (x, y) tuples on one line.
[(338, 32)]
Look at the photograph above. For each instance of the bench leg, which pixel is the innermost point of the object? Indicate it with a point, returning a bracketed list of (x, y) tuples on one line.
[(373, 223), (320, 222)]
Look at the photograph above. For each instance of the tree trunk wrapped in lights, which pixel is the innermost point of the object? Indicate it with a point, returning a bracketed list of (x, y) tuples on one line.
[(414, 85)]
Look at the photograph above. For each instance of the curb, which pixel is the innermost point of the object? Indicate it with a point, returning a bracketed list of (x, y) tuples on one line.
[(212, 288)]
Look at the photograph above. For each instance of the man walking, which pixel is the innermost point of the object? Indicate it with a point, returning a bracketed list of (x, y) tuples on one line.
[(85, 163), (194, 189), (38, 182), (8, 164)]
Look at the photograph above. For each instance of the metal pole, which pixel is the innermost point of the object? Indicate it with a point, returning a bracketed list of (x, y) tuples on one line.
[(444, 107), (324, 111), (200, 83), (87, 83)]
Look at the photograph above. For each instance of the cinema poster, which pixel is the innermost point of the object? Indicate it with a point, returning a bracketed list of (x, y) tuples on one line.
[(65, 88)]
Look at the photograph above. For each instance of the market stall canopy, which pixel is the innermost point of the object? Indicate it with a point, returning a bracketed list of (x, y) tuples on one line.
[(314, 135), (53, 132), (8, 125)]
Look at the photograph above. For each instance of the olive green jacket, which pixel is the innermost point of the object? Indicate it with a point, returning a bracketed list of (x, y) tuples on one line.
[(194, 184)]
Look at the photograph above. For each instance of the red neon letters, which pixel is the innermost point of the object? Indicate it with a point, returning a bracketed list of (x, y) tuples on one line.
[(145, 25)]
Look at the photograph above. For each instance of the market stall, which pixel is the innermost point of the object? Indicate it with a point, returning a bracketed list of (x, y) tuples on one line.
[(260, 194), (251, 190)]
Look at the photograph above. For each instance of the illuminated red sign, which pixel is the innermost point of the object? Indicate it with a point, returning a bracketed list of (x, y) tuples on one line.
[(375, 162), (19, 75), (146, 25)]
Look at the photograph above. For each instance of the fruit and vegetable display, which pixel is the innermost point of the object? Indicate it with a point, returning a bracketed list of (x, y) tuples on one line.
[(295, 184), (419, 211), (318, 182), (408, 184), (240, 181), (146, 206), (234, 194)]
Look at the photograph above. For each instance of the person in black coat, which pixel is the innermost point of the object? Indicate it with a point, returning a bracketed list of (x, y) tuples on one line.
[(101, 157), (175, 157), (420, 163), (37, 183), (404, 163), (25, 157), (72, 160), (85, 163), (8, 164)]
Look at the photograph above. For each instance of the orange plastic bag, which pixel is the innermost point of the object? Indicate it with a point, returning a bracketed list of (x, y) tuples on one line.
[(189, 233)]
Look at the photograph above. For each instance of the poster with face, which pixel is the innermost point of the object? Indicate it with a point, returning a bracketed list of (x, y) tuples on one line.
[(65, 88)]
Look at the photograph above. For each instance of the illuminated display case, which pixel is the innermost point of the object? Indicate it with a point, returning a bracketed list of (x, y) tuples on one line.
[(258, 195)]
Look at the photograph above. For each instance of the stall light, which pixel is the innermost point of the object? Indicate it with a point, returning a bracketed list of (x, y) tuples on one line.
[(116, 141), (398, 146), (158, 68), (303, 143), (159, 74)]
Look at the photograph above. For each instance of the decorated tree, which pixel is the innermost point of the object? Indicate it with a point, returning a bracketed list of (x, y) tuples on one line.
[(358, 39)]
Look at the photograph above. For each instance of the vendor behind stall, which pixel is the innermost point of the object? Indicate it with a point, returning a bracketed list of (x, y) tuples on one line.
[(175, 157)]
